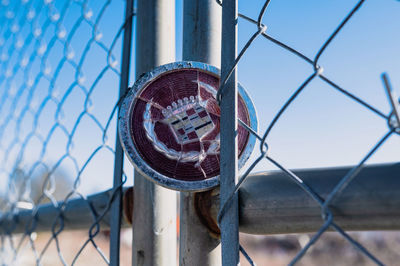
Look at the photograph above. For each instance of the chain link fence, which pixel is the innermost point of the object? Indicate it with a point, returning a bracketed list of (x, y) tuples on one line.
[(58, 58), (326, 203)]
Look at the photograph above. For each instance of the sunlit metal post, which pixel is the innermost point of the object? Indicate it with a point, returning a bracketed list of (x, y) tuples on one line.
[(201, 42), (154, 219), (229, 149)]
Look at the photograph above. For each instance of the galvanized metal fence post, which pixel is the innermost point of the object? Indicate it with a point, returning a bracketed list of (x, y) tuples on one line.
[(229, 223), (201, 42), (116, 207), (154, 219)]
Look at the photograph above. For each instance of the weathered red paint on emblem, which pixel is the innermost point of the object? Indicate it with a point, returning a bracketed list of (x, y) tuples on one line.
[(175, 124)]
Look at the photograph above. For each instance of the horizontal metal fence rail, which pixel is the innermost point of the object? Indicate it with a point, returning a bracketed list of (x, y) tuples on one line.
[(78, 214), (268, 204)]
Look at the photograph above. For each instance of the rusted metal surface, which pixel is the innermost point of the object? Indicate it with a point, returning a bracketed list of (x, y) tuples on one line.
[(128, 204), (197, 246), (206, 205)]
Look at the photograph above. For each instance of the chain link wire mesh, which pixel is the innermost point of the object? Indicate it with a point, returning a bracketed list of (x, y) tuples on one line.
[(325, 203), (58, 58), (55, 62)]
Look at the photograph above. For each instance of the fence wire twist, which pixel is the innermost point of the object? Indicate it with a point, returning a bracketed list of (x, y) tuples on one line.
[(45, 61), (392, 119)]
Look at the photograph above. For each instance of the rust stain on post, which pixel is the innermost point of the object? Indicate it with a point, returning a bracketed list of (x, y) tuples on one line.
[(206, 205), (128, 205)]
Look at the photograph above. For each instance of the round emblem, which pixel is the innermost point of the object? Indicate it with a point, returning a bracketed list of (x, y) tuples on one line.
[(169, 126)]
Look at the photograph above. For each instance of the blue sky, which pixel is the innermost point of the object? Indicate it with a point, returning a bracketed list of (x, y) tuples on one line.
[(321, 128)]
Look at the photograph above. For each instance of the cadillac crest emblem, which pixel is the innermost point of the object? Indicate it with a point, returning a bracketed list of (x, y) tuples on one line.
[(169, 126)]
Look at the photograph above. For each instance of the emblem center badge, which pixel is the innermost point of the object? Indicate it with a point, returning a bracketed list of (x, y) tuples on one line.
[(169, 125), (188, 119)]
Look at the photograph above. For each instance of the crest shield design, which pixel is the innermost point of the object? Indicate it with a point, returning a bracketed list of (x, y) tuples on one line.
[(169, 126)]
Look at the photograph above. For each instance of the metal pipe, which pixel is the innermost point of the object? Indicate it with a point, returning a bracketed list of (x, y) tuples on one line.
[(154, 236), (78, 213), (116, 205), (270, 203), (229, 149), (202, 31), (201, 42)]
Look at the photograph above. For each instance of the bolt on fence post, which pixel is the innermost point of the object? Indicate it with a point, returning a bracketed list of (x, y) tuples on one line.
[(154, 219), (229, 223), (116, 207), (201, 42)]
